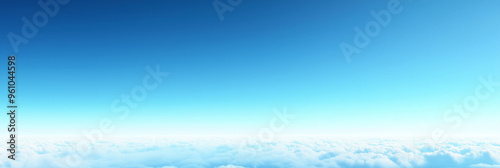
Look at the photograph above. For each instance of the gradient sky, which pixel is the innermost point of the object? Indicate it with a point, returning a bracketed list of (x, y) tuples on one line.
[(227, 77)]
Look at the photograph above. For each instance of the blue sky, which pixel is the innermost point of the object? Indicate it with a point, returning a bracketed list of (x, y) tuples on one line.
[(226, 77)]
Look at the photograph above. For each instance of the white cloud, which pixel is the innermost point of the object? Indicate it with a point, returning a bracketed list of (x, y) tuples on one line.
[(241, 153)]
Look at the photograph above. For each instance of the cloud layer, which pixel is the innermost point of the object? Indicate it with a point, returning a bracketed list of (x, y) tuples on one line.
[(239, 152)]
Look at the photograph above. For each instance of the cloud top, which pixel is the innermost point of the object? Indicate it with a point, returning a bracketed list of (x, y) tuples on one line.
[(239, 152)]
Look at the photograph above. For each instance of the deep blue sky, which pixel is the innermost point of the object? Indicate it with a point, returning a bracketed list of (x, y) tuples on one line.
[(227, 76)]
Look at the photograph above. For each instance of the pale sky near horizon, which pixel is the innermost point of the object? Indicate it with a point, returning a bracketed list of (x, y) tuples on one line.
[(227, 77)]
